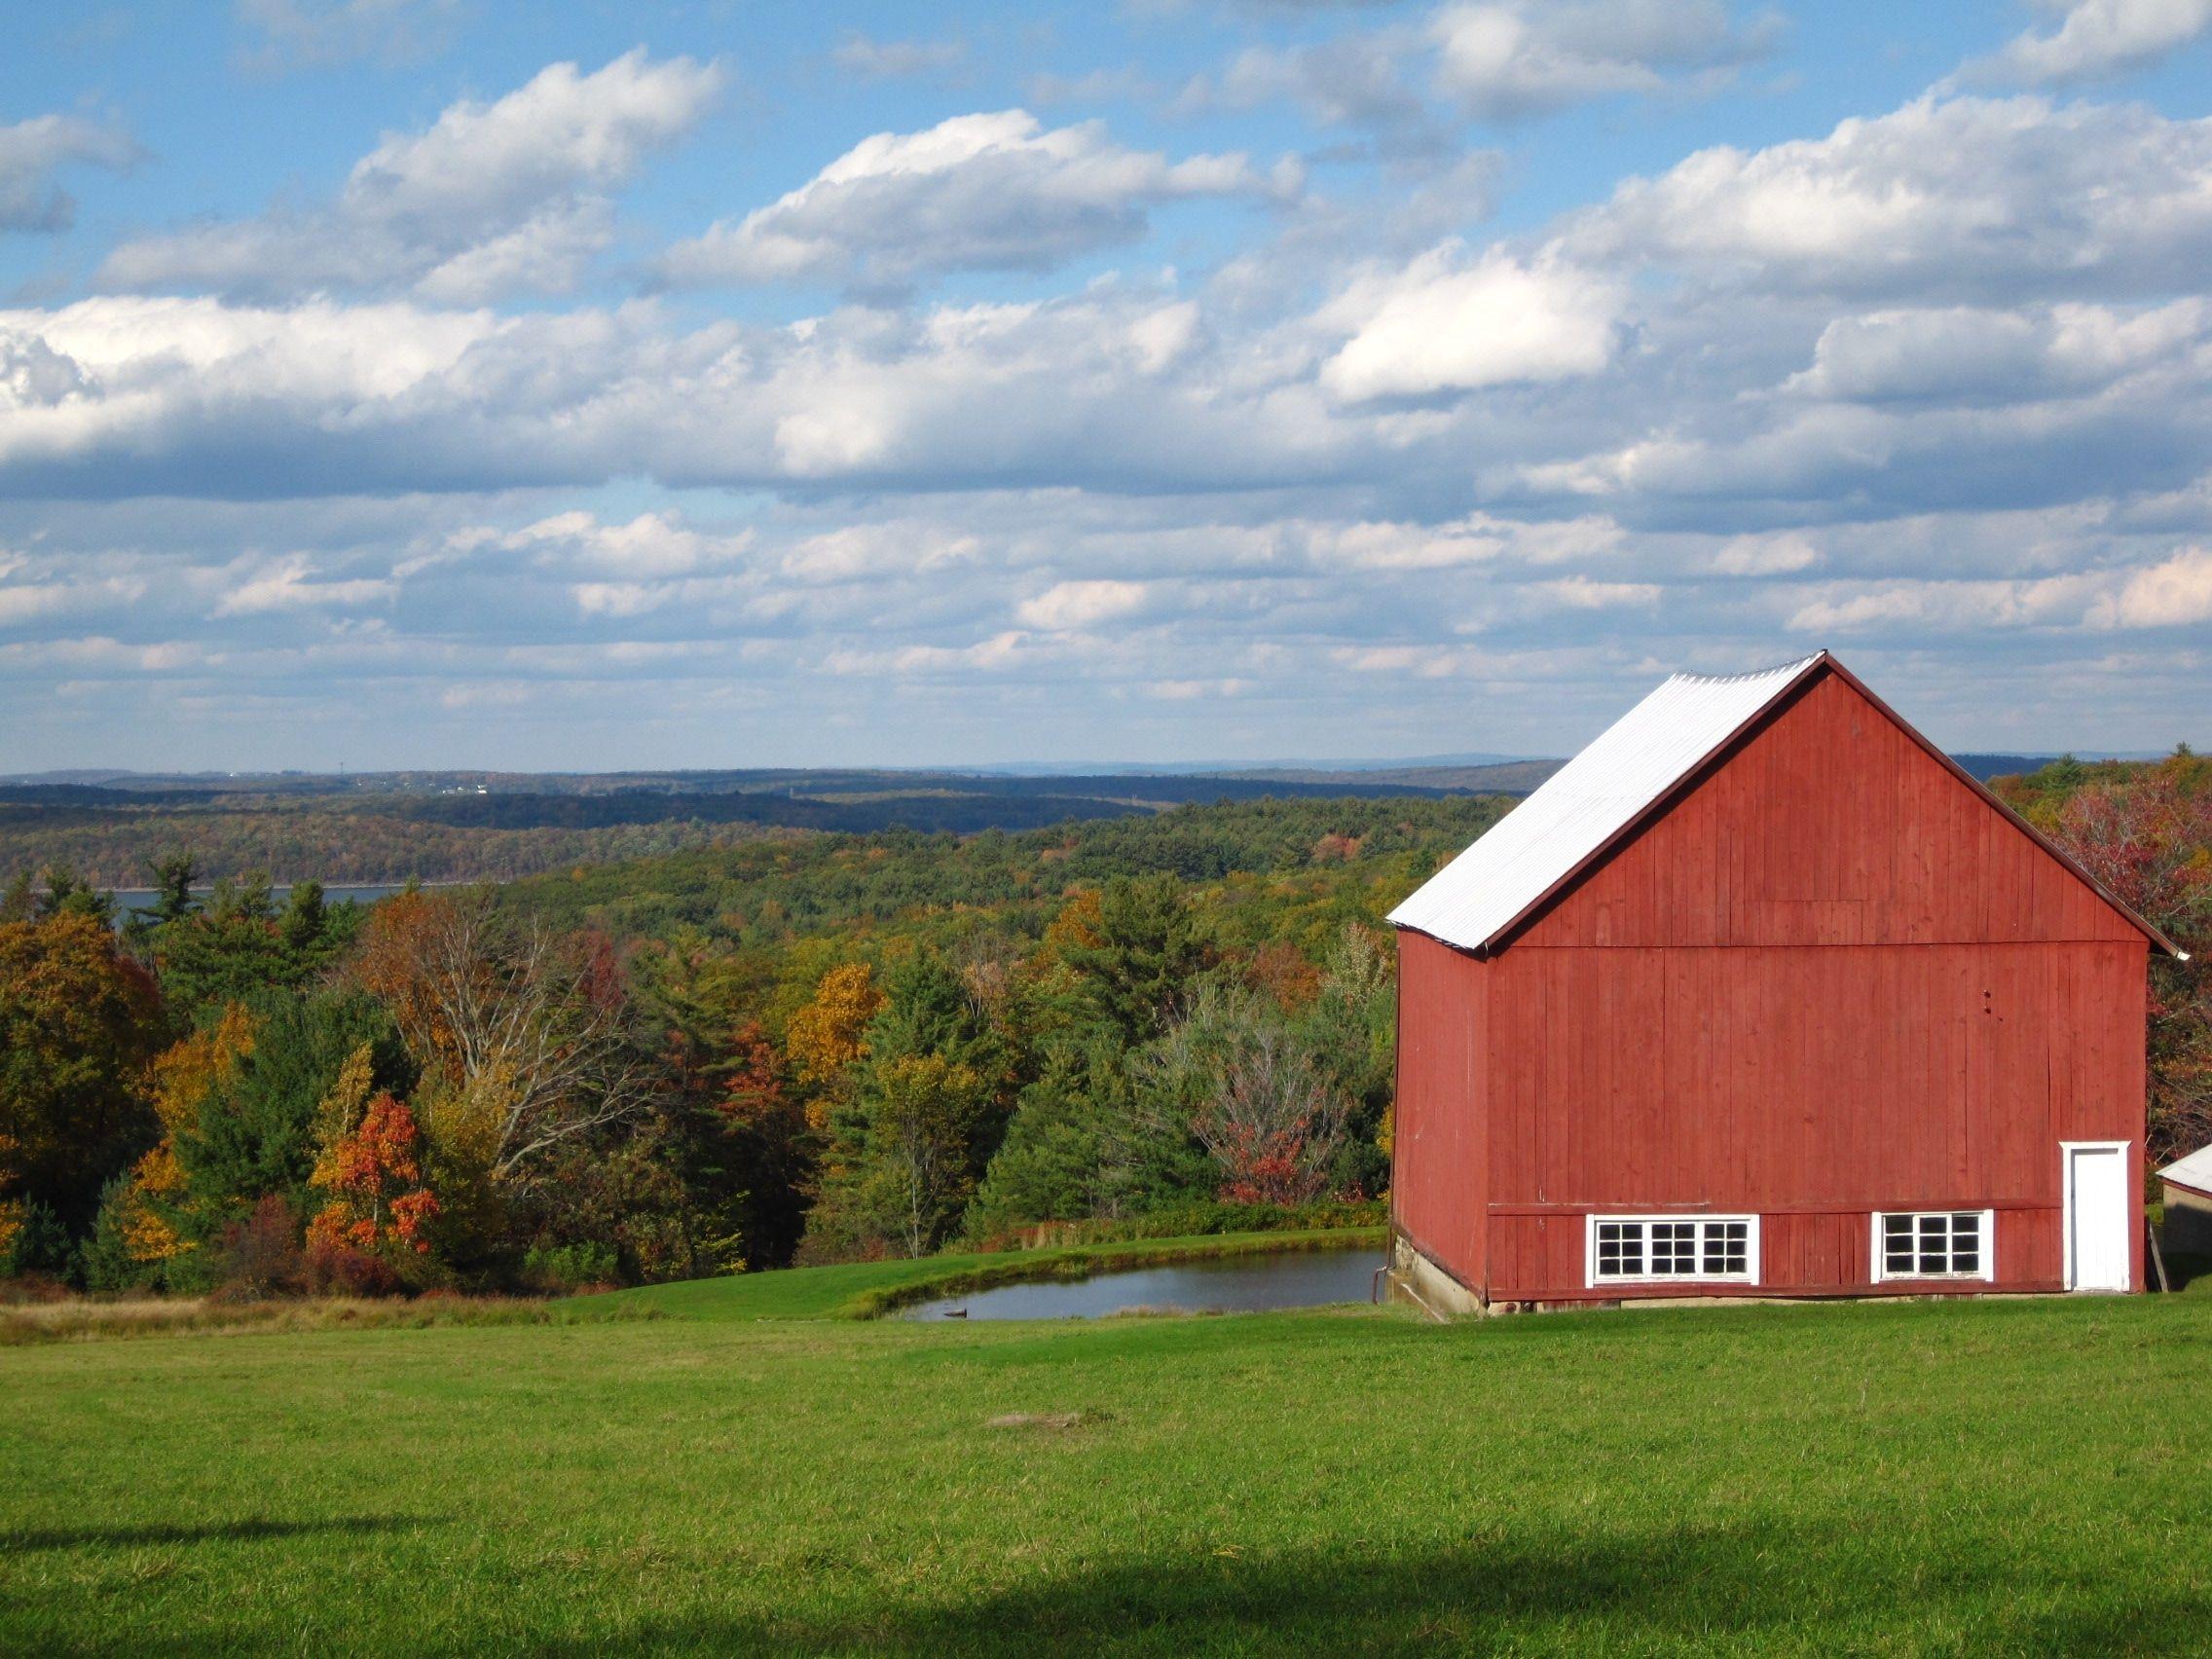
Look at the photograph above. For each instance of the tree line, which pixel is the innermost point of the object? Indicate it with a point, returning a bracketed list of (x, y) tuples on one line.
[(487, 1089), (815, 1049), (2144, 830)]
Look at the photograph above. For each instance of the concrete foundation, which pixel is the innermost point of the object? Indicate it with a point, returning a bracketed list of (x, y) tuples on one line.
[(1414, 1278)]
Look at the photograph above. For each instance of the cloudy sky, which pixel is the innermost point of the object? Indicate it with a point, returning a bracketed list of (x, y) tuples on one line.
[(413, 383)]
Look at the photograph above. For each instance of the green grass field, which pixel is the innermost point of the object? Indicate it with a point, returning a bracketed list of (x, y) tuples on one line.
[(737, 1476)]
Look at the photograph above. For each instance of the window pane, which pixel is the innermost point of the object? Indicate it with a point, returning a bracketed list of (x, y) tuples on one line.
[(1620, 1249), (1667, 1249)]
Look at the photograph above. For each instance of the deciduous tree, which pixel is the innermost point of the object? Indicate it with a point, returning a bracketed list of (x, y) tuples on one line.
[(78, 1023), (2148, 838), (525, 1034)]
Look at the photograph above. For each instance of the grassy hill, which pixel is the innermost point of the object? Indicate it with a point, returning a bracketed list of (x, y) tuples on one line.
[(1904, 1477)]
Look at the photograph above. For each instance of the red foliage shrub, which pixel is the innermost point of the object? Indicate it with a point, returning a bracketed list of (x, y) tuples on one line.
[(34, 1287), (261, 1255), (337, 1269)]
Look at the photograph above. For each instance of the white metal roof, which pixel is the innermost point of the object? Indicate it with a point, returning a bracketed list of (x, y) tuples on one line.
[(2193, 1171), (1585, 803)]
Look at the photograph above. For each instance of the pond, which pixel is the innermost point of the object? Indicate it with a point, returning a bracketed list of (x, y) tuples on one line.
[(1227, 1284), (134, 901)]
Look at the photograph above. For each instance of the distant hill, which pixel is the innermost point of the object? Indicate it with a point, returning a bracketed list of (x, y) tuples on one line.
[(1988, 766), (1490, 777), (445, 825)]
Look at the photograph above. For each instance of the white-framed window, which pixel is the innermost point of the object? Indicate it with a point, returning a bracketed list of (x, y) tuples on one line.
[(1672, 1249), (1934, 1244)]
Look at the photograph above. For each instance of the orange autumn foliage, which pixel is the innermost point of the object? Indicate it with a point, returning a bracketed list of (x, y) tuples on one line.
[(375, 1176), (1082, 922)]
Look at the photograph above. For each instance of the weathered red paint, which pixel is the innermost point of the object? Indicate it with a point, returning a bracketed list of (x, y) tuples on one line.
[(1832, 977)]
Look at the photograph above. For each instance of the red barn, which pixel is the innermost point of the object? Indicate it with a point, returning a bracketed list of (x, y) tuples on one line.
[(1762, 994)]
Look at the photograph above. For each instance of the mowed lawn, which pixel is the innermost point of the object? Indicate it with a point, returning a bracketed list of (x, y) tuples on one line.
[(1898, 1478)]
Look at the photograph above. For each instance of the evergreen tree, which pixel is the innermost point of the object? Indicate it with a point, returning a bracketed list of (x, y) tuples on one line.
[(39, 1245), (172, 875), (306, 921), (106, 1264), (257, 1134), (240, 946), (1147, 951), (19, 901), (1056, 1163), (69, 894)]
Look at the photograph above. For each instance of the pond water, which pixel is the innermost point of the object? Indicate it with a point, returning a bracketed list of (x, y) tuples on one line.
[(130, 901), (1230, 1285)]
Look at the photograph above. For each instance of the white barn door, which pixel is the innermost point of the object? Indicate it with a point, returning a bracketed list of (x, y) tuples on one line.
[(2097, 1211)]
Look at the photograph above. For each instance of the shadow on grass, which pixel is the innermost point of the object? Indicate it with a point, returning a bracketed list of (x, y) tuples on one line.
[(1729, 1588), (2185, 1271), (212, 1532)]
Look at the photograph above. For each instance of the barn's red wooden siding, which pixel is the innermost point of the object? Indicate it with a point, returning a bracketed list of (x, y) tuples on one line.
[(1830, 979), (1438, 1151)]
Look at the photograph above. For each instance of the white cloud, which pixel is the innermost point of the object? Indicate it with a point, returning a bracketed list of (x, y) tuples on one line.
[(26, 601), (290, 584), (978, 192), (2174, 594), (2095, 38), (1968, 354), (874, 59), (1479, 539), (1779, 553), (1516, 59), (1944, 196), (1345, 81), (165, 372), (489, 199), (1195, 690), (649, 546), (1581, 593), (136, 393), (33, 151), (298, 34), (1069, 606), (860, 552), (1444, 324), (999, 652)]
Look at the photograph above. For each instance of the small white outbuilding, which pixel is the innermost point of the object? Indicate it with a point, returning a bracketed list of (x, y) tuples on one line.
[(2187, 1183)]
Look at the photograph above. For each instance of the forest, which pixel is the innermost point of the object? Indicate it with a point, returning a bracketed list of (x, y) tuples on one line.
[(813, 1048)]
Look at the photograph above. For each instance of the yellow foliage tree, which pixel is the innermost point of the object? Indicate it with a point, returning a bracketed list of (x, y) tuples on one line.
[(183, 1077), (340, 1112), (828, 1034), (1081, 922)]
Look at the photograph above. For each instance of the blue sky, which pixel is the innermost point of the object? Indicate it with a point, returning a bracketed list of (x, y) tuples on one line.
[(432, 382)]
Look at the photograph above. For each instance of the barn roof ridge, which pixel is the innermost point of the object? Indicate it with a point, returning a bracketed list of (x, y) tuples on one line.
[(1627, 775), (1689, 677)]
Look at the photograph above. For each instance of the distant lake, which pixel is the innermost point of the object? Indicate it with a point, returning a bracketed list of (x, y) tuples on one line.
[(136, 901)]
